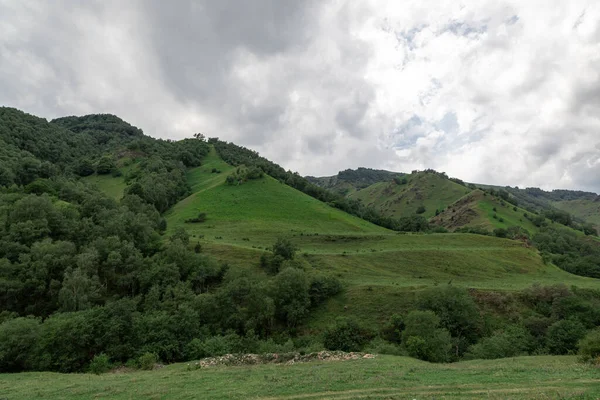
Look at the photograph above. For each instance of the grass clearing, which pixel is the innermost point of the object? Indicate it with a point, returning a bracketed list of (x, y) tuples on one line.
[(111, 185), (385, 377)]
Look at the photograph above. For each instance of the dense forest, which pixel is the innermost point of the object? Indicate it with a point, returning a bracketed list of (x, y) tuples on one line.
[(86, 279)]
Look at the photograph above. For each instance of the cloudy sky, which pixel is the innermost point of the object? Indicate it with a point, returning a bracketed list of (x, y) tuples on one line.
[(503, 92)]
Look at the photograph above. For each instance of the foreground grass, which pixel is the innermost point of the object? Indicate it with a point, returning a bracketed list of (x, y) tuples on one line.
[(385, 377)]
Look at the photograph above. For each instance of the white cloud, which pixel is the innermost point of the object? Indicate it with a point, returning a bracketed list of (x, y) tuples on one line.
[(504, 92)]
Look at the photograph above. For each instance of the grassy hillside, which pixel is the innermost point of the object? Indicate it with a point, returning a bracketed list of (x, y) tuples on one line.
[(430, 190), (256, 212), (112, 186), (350, 180), (385, 377), (477, 209), (585, 209)]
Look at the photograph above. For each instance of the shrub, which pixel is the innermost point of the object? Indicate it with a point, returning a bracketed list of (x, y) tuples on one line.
[(147, 360), (424, 339), (18, 338), (562, 336), (392, 330), (511, 342), (100, 364), (500, 232), (284, 248), (421, 210), (589, 347), (322, 287), (346, 335), (457, 312)]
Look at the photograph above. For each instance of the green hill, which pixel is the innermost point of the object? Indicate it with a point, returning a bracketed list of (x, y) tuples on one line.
[(256, 212), (117, 248), (350, 180), (585, 209), (482, 210), (404, 196)]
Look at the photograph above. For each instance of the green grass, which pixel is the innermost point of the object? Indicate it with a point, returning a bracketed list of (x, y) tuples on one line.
[(385, 377), (258, 210), (422, 189), (112, 186)]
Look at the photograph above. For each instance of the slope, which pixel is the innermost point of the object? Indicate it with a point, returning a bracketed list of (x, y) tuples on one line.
[(350, 180), (481, 210), (585, 209), (242, 221), (256, 212), (404, 196)]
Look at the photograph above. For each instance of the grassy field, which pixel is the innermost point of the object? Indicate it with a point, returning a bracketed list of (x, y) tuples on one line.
[(422, 189), (112, 186), (385, 377)]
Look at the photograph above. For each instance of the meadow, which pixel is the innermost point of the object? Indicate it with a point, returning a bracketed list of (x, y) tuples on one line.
[(384, 377)]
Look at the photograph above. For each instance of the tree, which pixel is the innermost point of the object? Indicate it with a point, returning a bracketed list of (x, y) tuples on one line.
[(79, 292), (346, 335), (457, 312), (18, 339), (105, 165), (589, 347), (284, 248), (290, 293), (424, 339), (562, 336)]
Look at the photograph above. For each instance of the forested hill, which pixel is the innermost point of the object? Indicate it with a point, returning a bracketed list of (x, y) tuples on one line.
[(350, 180)]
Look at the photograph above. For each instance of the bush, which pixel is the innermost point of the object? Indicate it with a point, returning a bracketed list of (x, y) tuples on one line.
[(284, 248), (562, 336), (323, 287), (100, 364), (147, 360), (346, 335), (392, 330), (424, 339), (18, 338), (589, 347), (511, 342), (457, 312), (420, 210)]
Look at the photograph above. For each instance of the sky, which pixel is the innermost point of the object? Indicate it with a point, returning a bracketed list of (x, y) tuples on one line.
[(498, 92)]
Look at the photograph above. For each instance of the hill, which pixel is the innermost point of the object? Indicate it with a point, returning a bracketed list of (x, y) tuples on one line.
[(584, 206), (350, 180), (484, 211), (422, 192), (256, 212), (117, 248)]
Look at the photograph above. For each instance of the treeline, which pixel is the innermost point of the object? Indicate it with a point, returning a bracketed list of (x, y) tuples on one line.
[(574, 253), (449, 324), (32, 148), (237, 156)]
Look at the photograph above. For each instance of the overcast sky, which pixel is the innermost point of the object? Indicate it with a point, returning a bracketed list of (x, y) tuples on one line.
[(502, 92)]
